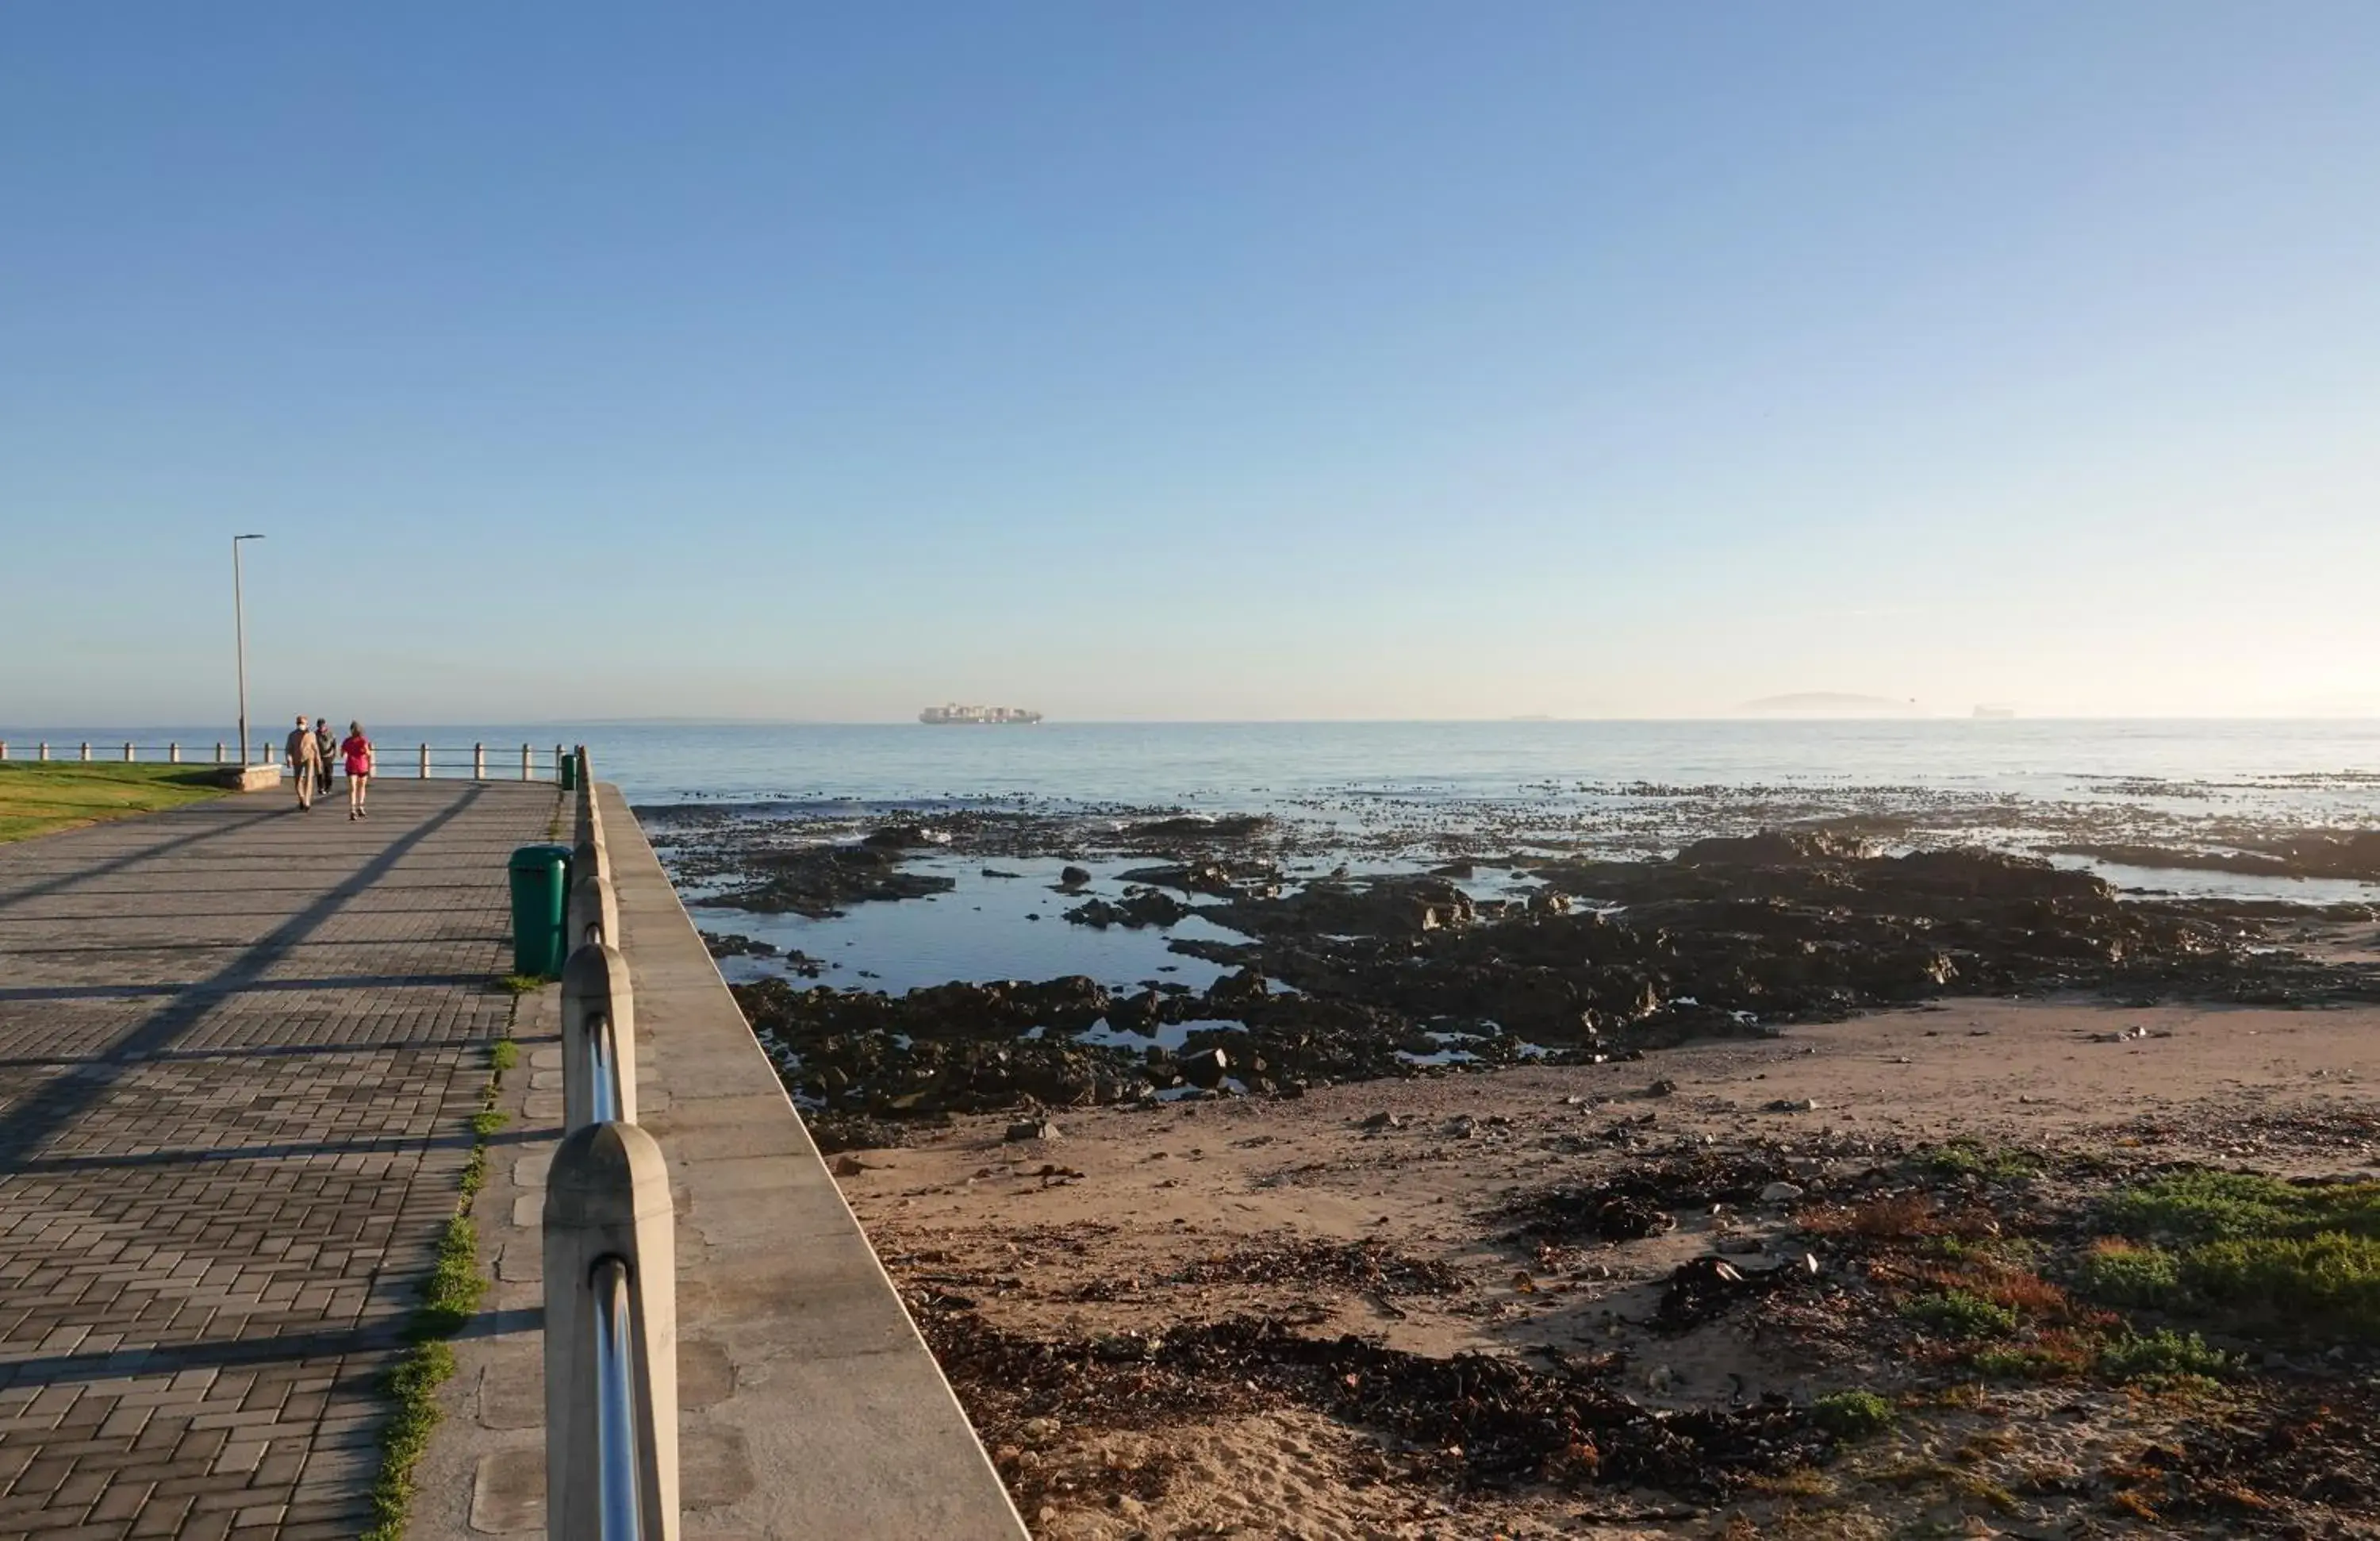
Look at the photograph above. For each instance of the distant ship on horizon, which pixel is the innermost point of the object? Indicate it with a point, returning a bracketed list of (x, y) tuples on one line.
[(952, 712)]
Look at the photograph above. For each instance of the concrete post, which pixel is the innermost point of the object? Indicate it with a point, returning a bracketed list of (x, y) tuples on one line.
[(425, 762), (599, 1038), (557, 763), (608, 1226), (594, 908), (86, 751), (127, 754), (45, 751), (4, 748), (478, 762), (219, 759)]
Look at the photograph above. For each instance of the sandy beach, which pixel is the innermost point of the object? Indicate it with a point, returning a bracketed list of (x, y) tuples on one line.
[(1382, 1209)]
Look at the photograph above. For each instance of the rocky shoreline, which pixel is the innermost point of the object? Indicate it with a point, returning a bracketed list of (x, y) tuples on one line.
[(1526, 955), (1489, 1180)]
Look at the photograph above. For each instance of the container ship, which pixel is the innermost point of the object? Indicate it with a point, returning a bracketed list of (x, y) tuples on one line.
[(944, 716)]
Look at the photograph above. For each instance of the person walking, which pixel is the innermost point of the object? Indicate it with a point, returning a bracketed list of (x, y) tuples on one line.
[(305, 761), (358, 752), (326, 747)]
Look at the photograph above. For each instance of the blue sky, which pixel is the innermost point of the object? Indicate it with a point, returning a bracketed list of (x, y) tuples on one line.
[(1132, 360)]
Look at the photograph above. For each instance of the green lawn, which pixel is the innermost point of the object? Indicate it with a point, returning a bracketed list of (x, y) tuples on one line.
[(36, 800)]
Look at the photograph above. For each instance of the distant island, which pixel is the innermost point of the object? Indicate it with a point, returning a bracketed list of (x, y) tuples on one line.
[(1830, 703)]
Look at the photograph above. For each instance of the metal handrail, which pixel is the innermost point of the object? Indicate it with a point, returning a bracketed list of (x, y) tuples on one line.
[(406, 761), (616, 1463), (603, 1068)]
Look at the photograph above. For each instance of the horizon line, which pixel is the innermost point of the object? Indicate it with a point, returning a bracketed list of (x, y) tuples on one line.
[(13, 734)]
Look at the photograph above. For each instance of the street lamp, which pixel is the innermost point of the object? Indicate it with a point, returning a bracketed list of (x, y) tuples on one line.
[(239, 636)]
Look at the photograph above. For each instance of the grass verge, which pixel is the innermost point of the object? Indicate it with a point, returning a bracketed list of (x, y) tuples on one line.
[(39, 799), (455, 1286)]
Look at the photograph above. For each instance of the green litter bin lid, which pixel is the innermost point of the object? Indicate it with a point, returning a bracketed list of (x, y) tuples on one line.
[(529, 858)]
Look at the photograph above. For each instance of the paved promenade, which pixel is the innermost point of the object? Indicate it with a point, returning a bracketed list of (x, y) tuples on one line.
[(239, 1053)]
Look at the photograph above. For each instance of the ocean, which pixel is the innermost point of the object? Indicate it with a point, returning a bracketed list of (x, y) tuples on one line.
[(2313, 769), (1624, 786)]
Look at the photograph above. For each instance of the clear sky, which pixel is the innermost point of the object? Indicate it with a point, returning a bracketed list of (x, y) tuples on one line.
[(1188, 360)]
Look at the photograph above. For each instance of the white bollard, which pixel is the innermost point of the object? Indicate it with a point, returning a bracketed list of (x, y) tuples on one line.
[(611, 1338), (45, 751), (524, 762), (173, 754), (599, 1039), (425, 762), (127, 754), (86, 751), (478, 762), (219, 759)]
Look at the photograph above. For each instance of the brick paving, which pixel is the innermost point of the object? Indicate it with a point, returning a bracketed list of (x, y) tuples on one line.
[(239, 1053)]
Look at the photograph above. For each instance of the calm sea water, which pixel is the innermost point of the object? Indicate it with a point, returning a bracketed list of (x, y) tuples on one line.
[(2325, 773), (2314, 766)]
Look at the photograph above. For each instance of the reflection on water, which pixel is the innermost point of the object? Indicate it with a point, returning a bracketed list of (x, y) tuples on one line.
[(2190, 883), (984, 928)]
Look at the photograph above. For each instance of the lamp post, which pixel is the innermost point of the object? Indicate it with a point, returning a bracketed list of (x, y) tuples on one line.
[(239, 641)]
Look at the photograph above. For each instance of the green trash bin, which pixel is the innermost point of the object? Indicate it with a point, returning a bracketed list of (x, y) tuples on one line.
[(570, 771), (540, 877)]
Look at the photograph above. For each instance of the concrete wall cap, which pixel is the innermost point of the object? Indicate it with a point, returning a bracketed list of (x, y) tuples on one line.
[(595, 971), (606, 1174)]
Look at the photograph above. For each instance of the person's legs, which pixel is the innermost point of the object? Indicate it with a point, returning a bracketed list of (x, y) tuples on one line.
[(355, 786), (305, 784)]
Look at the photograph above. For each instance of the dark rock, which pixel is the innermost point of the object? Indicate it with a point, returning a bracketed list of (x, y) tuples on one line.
[(1033, 1129), (1139, 907), (736, 945), (815, 880), (1235, 992), (1773, 848), (1205, 1069), (1074, 877), (1137, 1013)]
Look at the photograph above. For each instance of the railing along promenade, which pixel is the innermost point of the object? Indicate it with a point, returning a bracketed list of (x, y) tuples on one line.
[(418, 762), (609, 1244), (708, 1342)]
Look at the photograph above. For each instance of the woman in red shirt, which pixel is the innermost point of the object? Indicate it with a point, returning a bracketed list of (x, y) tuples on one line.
[(358, 752)]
